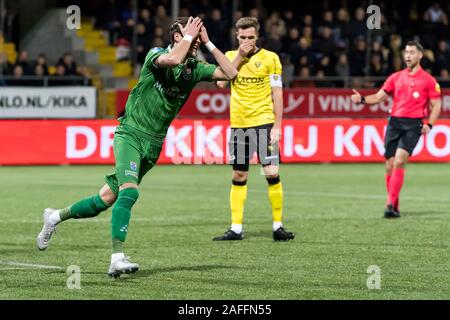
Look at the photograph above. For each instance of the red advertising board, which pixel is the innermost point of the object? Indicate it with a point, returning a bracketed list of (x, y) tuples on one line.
[(298, 103), (27, 142)]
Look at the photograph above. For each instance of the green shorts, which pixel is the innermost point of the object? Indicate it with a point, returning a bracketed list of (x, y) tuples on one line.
[(135, 155)]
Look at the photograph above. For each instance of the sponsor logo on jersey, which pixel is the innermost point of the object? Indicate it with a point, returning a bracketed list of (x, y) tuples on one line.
[(416, 94), (258, 64), (244, 80), (173, 92)]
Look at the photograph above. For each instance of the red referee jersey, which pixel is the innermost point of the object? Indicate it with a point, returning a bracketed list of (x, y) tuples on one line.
[(411, 92)]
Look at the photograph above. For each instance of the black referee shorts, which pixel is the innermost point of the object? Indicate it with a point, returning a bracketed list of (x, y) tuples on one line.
[(244, 142), (402, 133)]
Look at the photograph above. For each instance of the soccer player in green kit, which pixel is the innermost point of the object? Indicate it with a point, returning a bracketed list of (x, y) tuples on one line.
[(167, 78)]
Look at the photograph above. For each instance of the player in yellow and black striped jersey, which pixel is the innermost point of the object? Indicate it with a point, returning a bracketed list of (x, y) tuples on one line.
[(256, 111)]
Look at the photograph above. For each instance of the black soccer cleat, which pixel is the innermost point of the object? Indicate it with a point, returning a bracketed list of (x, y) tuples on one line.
[(396, 208), (229, 235), (282, 235), (390, 212)]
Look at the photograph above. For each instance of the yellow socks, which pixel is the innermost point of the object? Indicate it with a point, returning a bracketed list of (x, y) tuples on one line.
[(238, 195), (276, 200)]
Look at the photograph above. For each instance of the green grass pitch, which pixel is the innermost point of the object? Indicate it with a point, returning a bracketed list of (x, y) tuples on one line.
[(335, 211)]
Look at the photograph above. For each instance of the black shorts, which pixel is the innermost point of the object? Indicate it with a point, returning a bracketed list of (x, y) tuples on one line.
[(402, 133), (244, 142)]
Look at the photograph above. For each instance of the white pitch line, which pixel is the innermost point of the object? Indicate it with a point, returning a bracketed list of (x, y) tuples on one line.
[(29, 265), (94, 220)]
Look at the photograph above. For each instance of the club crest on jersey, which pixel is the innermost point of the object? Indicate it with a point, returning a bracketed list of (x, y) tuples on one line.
[(416, 94), (133, 165), (258, 64), (187, 74), (275, 77)]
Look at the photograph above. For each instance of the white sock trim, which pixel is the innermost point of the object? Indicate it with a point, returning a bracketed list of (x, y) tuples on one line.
[(54, 217), (236, 228), (277, 225)]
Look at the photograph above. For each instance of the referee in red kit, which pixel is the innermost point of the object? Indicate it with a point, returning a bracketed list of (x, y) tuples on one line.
[(413, 89)]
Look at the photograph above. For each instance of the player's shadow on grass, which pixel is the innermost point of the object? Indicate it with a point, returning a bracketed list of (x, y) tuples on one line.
[(181, 224), (152, 271), (258, 234), (200, 268), (82, 247), (431, 213), (373, 243)]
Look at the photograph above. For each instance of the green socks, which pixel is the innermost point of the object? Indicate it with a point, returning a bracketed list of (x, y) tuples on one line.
[(121, 214), (86, 208), (117, 246)]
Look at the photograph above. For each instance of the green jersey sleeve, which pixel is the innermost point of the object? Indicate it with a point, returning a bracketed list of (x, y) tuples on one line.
[(204, 71), (151, 57)]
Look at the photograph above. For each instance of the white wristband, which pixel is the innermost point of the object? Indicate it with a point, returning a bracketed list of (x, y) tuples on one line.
[(188, 37), (210, 46)]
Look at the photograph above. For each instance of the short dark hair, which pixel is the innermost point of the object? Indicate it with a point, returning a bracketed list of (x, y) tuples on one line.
[(415, 43), (174, 27)]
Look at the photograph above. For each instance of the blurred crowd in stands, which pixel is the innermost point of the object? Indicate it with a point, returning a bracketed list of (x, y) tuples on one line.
[(37, 72), (320, 39)]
